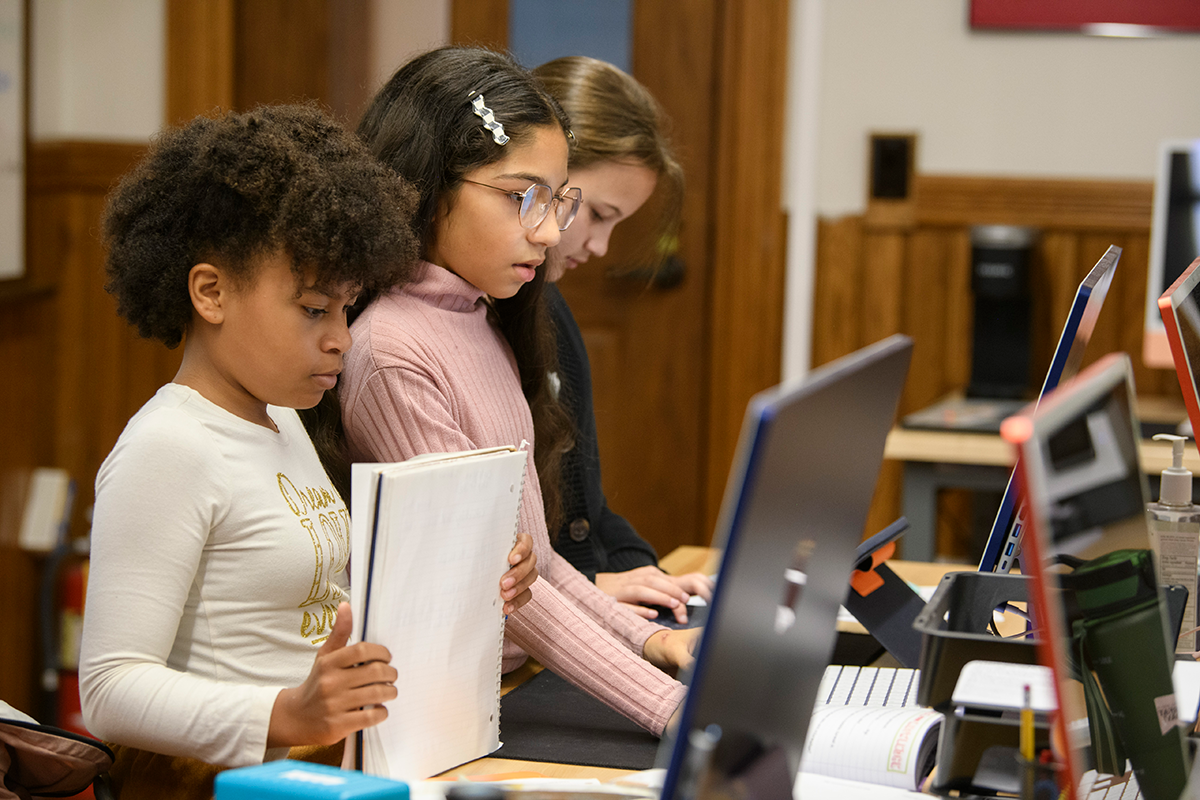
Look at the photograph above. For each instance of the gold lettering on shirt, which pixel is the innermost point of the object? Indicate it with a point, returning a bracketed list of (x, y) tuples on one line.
[(325, 519)]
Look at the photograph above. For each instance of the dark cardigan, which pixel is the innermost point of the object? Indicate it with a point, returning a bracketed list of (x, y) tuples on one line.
[(593, 538)]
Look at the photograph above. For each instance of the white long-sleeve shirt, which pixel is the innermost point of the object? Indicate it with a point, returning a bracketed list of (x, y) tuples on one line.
[(218, 561)]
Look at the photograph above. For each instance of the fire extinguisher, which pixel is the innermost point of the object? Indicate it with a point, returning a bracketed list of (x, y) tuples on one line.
[(64, 581), (72, 588)]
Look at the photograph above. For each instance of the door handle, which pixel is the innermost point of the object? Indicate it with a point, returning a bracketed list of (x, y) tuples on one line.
[(667, 275)]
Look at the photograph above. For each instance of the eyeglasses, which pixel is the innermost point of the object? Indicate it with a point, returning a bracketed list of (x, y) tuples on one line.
[(536, 202)]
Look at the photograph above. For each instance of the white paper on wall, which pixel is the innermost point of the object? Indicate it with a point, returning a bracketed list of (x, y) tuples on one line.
[(12, 139)]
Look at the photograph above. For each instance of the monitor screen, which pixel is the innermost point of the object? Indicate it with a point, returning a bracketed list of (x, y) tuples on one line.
[(1173, 237)]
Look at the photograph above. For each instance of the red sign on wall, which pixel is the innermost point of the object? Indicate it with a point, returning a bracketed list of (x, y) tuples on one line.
[(1175, 15)]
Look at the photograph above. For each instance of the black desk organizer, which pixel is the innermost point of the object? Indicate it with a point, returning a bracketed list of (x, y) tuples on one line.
[(978, 749)]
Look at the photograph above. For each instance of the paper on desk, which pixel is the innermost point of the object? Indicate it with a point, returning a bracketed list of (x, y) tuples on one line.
[(887, 746), (425, 583), (812, 785), (1001, 685)]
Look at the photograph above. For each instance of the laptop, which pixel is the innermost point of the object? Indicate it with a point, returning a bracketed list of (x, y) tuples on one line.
[(793, 513), (1081, 443), (1180, 310), (1001, 549)]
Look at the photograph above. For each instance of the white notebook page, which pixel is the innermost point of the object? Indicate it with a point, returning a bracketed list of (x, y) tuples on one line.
[(441, 545)]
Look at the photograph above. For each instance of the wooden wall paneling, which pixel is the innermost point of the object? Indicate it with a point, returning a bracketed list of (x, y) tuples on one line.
[(67, 351), (883, 284), (88, 367), (351, 83), (1054, 280), (1042, 203), (748, 224), (1135, 261), (837, 311), (480, 22), (200, 47), (926, 287), (28, 358), (959, 309), (886, 506), (281, 52)]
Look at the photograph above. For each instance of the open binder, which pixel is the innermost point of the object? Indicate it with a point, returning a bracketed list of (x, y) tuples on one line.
[(429, 542)]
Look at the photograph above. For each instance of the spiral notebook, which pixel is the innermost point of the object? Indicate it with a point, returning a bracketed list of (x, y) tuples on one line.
[(430, 539)]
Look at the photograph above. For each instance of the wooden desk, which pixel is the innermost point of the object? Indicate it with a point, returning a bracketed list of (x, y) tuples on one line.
[(507, 766), (936, 460)]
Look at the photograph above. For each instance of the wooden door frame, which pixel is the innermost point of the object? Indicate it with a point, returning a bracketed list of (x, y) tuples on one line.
[(747, 237), (749, 246)]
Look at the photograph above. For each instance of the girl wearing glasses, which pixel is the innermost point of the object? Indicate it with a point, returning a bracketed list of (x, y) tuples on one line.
[(459, 359), (621, 154)]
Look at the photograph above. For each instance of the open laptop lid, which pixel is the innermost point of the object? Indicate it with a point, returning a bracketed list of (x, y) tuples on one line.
[(1180, 310), (1081, 441), (794, 510), (1001, 548)]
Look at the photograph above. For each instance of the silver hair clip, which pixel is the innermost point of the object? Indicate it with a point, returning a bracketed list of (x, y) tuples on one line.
[(489, 119)]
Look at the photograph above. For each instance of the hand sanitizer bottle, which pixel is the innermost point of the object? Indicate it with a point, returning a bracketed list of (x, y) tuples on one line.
[(1174, 523)]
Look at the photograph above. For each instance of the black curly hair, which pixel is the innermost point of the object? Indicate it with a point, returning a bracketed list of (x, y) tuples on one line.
[(228, 189)]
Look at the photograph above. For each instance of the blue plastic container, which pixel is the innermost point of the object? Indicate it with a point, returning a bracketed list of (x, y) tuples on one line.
[(289, 780)]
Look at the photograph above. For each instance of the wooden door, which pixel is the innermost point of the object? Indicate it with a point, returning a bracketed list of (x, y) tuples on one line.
[(673, 366), (646, 339), (647, 342)]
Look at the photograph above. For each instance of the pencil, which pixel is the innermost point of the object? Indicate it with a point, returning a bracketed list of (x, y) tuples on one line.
[(1026, 741)]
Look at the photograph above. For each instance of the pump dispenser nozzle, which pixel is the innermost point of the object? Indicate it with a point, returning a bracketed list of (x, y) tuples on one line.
[(1176, 489)]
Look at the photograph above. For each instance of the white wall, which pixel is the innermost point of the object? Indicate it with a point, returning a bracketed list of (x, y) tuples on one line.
[(402, 28), (97, 69), (1029, 104)]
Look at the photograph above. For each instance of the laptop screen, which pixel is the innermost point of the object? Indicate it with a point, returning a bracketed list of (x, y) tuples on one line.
[(1002, 545), (1180, 310), (794, 510), (1081, 443)]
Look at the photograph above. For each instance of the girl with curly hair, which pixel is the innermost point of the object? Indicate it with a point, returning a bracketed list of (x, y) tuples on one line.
[(216, 630)]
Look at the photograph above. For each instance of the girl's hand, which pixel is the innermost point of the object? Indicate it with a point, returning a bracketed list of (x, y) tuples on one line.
[(514, 586), (650, 586), (672, 651), (341, 695)]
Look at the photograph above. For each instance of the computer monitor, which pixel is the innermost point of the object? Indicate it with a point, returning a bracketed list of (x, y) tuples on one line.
[(1174, 237), (1003, 542), (793, 513)]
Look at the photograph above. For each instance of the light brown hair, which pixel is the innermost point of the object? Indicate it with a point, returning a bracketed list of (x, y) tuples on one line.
[(615, 118)]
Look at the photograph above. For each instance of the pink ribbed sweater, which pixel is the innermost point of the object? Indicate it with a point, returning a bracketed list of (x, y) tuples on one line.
[(429, 373)]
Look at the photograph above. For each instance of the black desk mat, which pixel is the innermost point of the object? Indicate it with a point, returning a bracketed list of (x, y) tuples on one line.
[(548, 719)]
